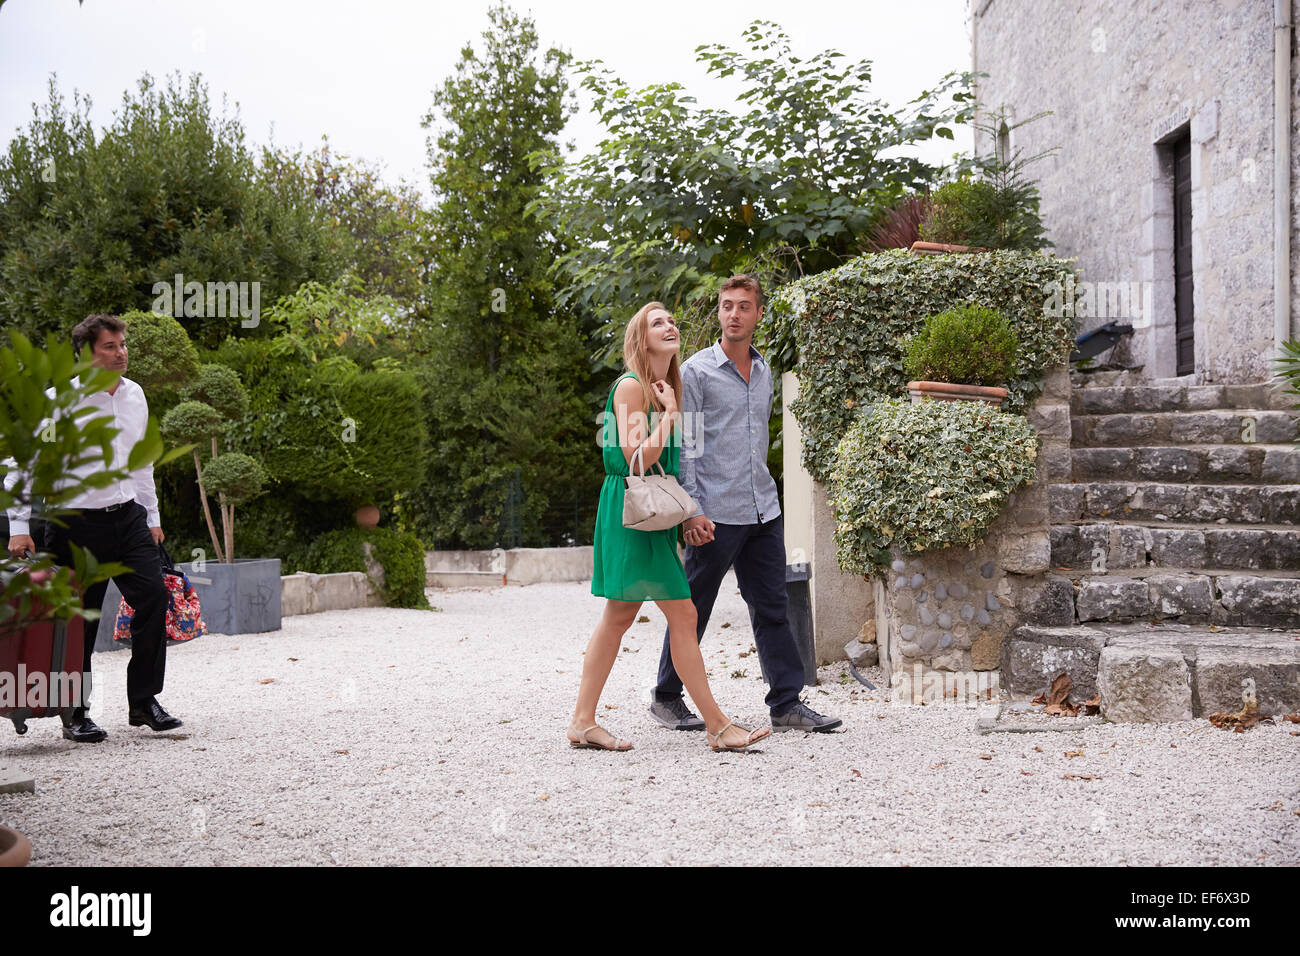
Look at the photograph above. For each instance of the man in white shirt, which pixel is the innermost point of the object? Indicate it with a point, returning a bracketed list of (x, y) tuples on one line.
[(118, 522)]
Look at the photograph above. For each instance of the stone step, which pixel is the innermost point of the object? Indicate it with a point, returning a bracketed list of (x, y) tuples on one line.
[(1162, 672), (1107, 400), (1108, 546), (1155, 502), (1181, 428), (1215, 596), (1206, 464)]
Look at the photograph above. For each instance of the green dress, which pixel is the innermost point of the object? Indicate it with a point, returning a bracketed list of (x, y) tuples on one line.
[(633, 565)]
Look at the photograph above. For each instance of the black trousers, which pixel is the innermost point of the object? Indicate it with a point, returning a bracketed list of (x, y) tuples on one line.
[(757, 551), (122, 535)]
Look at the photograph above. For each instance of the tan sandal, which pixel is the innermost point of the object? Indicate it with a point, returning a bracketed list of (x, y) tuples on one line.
[(584, 743), (754, 736)]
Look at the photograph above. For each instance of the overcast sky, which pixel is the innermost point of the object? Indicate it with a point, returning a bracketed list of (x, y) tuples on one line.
[(364, 72)]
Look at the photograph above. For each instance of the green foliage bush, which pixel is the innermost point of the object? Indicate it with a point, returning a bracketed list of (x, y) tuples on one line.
[(400, 555), (1288, 370), (970, 345), (349, 435), (916, 476), (161, 354), (999, 210), (961, 212), (192, 423), (851, 326), (219, 387), (235, 475)]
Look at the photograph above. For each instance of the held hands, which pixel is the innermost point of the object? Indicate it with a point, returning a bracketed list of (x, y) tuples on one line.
[(698, 531)]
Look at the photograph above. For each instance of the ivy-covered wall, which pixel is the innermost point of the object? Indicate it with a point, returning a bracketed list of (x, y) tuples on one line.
[(851, 327)]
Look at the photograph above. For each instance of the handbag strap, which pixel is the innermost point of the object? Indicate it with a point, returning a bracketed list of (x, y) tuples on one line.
[(637, 456)]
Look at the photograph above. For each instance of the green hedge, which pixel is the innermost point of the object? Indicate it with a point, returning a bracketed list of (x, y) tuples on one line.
[(333, 430), (400, 555), (917, 476), (351, 435), (851, 327)]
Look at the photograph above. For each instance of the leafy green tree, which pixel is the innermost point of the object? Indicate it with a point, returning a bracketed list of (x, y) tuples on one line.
[(91, 222), (385, 229), (678, 197), (506, 374)]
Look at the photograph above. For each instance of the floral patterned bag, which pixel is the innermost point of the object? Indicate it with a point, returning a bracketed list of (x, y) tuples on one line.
[(184, 617)]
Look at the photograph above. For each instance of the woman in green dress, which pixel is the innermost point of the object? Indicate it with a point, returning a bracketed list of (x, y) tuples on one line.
[(634, 566)]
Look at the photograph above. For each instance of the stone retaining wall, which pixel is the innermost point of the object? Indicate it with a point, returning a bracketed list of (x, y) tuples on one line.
[(950, 611), (514, 566), (305, 593)]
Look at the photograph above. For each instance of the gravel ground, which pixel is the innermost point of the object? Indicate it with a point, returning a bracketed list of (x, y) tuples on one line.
[(385, 736)]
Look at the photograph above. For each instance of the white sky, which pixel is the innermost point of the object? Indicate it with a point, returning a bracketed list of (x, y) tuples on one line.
[(364, 72)]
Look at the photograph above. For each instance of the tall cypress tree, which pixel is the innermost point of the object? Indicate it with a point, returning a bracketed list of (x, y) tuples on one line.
[(512, 457)]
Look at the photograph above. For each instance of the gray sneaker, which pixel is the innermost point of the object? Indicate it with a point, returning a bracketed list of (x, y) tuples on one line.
[(674, 714), (803, 717)]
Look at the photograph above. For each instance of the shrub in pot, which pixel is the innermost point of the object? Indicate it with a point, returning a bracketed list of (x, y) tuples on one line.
[(968, 353), (237, 596)]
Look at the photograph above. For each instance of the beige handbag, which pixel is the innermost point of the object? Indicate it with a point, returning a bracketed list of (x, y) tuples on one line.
[(653, 502)]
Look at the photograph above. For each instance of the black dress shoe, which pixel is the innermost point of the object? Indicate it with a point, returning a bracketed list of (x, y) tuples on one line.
[(152, 715), (84, 731)]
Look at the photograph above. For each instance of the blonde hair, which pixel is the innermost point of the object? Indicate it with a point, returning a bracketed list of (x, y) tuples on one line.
[(636, 356)]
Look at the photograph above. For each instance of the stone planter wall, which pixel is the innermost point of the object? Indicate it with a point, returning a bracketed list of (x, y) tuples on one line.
[(942, 616)]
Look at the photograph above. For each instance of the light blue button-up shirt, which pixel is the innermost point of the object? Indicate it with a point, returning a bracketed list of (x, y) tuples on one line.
[(724, 449)]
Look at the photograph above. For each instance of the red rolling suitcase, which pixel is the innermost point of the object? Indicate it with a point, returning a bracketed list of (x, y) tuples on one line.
[(40, 668)]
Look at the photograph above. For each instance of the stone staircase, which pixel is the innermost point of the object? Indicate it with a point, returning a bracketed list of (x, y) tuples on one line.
[(1175, 553)]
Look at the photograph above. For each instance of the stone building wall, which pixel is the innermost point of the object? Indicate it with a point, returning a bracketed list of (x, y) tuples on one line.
[(1120, 77), (942, 616)]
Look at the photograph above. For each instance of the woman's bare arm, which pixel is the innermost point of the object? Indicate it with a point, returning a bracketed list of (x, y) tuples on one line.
[(633, 424)]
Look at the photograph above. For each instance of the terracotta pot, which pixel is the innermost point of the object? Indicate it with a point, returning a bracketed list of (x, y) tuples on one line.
[(920, 248), (15, 849), (368, 516), (949, 392)]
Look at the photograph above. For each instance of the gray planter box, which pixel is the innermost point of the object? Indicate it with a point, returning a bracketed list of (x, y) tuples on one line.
[(239, 598)]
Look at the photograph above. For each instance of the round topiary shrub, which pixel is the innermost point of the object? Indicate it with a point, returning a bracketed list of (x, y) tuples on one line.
[(234, 475), (162, 355), (912, 477), (401, 556), (970, 345), (219, 387), (192, 423)]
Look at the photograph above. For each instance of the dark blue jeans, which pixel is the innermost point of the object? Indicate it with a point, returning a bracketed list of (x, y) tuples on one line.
[(757, 552)]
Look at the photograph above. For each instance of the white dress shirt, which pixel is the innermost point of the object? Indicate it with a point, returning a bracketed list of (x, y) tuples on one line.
[(129, 410)]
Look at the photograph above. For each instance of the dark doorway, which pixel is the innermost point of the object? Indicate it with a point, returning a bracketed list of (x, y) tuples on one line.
[(1181, 150)]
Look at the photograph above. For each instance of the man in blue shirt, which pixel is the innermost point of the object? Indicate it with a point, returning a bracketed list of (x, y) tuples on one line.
[(726, 403)]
